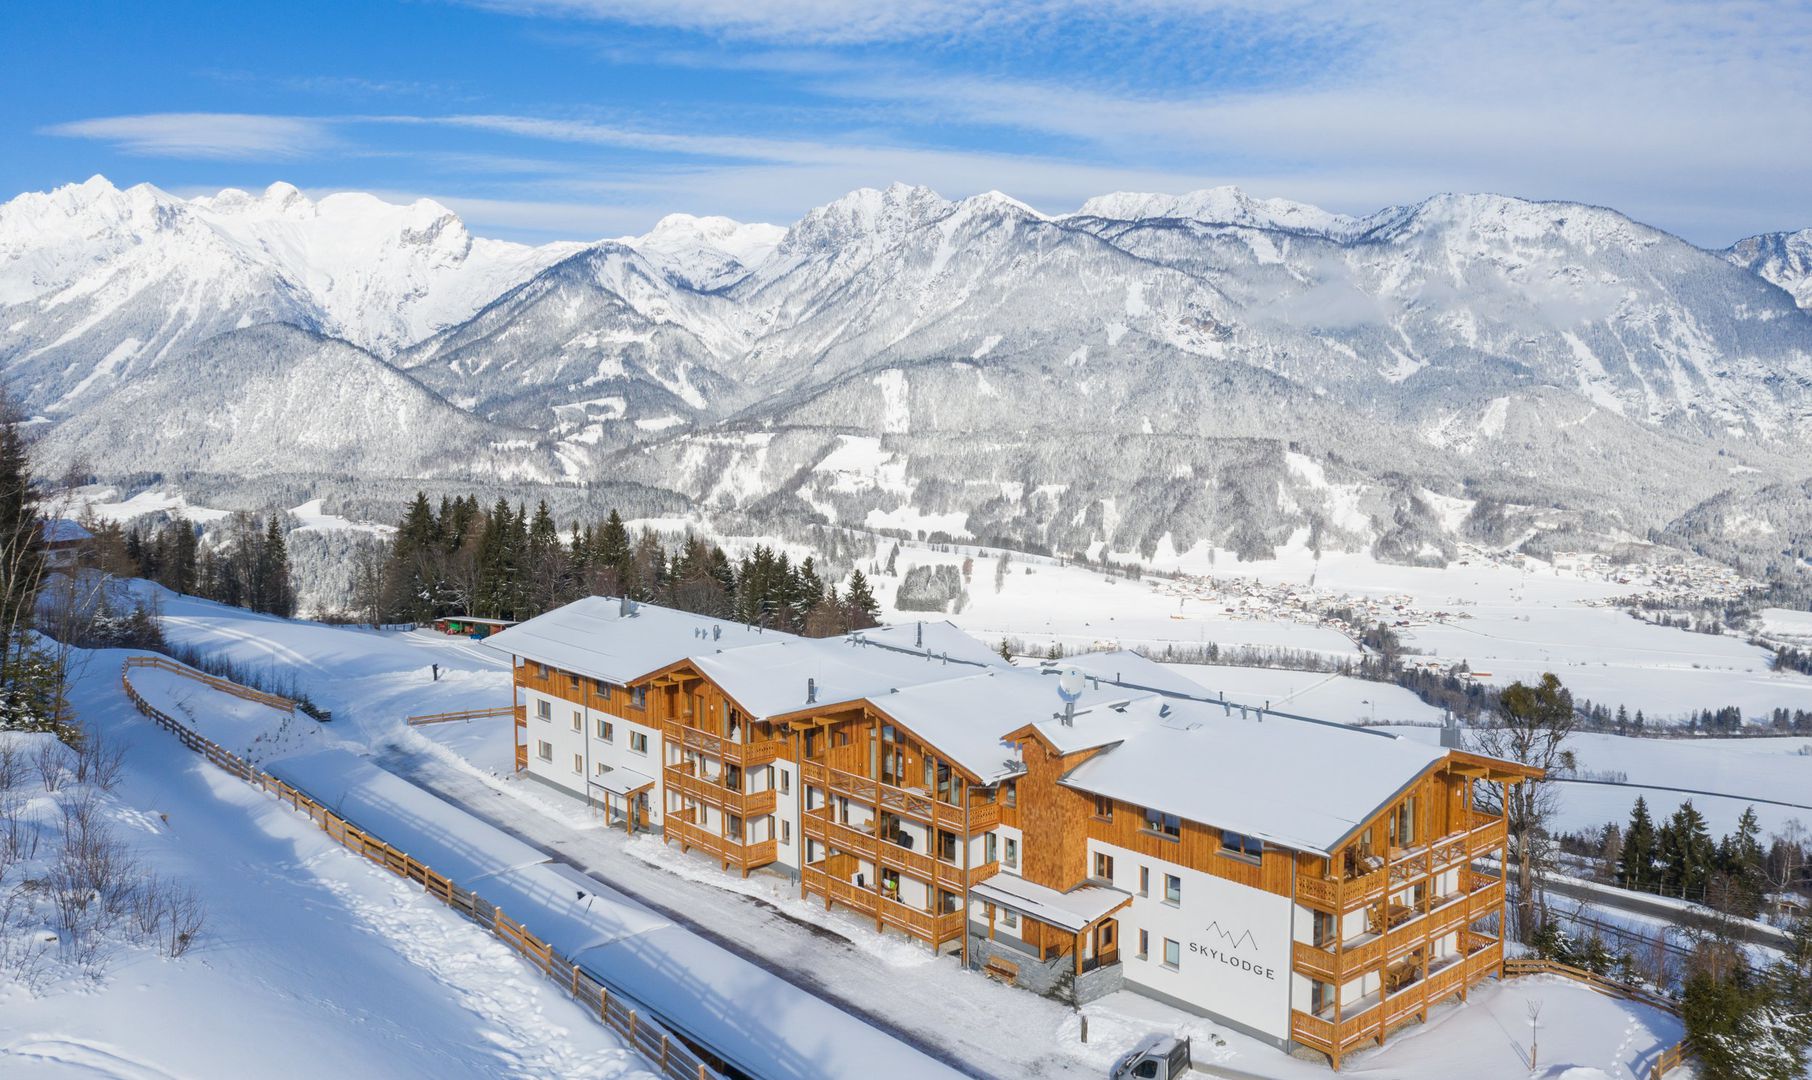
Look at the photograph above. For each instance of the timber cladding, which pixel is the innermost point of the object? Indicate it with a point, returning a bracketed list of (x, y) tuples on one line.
[(1054, 819), (1197, 847)]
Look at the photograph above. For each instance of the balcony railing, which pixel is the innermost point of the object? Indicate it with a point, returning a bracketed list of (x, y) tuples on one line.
[(744, 804), (913, 803), (1341, 895), (1362, 1021), (925, 925), (819, 825), (739, 855), (748, 755)]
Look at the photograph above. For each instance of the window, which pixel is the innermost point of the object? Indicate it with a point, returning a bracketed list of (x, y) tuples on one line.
[(579, 763), (638, 697), (1009, 919), (540, 669), (1144, 881), (578, 720), (782, 781), (1173, 889), (1104, 808), (574, 676), (1322, 932), (602, 768), (1173, 954), (1321, 996), (1104, 866), (544, 710), (603, 688), (946, 845), (990, 848), (606, 730), (638, 742), (1163, 824), (786, 832), (1144, 944), (544, 750), (1012, 853), (1241, 846), (1012, 790)]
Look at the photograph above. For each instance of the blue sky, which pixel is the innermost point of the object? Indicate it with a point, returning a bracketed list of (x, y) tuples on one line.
[(584, 118)]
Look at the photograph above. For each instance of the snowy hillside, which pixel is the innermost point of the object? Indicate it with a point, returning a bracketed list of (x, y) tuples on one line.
[(1151, 370), (274, 400), (1784, 258)]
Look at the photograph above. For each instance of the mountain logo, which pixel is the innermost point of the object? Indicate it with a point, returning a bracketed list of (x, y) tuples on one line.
[(1222, 952), (1233, 940)]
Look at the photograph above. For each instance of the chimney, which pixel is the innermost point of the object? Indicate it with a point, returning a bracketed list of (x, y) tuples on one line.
[(716, 631), (921, 639), (811, 691)]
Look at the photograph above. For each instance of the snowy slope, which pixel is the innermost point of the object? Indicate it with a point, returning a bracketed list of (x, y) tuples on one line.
[(99, 284), (279, 400), (1206, 366), (1784, 258), (706, 253)]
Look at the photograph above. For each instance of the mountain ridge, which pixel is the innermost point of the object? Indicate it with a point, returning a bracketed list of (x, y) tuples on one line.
[(1464, 346)]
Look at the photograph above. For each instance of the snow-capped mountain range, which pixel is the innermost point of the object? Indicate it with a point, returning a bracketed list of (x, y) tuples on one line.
[(1150, 370)]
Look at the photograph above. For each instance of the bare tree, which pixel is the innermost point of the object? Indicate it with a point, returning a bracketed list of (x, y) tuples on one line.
[(1530, 726)]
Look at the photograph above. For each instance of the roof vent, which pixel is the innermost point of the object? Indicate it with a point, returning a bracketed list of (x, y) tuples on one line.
[(717, 631), (811, 691), (1164, 709), (921, 639)]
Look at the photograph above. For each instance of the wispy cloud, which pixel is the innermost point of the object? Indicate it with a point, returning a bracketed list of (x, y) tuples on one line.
[(214, 136)]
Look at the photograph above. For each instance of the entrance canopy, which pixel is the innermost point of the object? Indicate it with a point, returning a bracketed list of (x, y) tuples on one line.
[(1073, 911)]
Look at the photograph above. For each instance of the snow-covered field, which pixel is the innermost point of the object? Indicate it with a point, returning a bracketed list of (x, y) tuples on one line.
[(1740, 770), (310, 963), (244, 852), (1512, 623)]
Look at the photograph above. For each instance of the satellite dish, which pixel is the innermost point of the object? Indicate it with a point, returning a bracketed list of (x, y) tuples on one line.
[(1070, 684)]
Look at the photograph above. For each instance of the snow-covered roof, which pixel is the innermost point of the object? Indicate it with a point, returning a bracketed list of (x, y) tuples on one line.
[(1128, 669), (596, 638), (622, 781), (64, 531), (1070, 911), (1295, 783), (966, 718)]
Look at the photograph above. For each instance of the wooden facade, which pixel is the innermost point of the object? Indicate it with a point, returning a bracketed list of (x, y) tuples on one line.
[(892, 830), (1397, 917)]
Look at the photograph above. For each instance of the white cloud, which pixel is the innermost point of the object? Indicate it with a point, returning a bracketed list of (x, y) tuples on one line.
[(220, 136)]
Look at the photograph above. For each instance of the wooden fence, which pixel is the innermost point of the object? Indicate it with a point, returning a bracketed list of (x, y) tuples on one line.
[(463, 714), (165, 664), (1669, 1059), (644, 1032)]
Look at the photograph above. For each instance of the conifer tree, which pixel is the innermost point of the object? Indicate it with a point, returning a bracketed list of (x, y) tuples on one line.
[(278, 594), (1637, 868), (864, 610)]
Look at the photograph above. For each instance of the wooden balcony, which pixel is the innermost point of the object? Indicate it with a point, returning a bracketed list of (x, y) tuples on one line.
[(734, 855), (1371, 1018), (743, 804), (1407, 931), (1403, 868), (1485, 901), (914, 803), (748, 755), (927, 926), (819, 825)]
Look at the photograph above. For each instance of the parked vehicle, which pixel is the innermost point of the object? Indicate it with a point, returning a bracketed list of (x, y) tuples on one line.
[(1159, 1057)]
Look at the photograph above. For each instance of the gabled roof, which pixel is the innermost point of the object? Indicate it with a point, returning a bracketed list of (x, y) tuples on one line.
[(792, 675), (601, 638), (1299, 785), (63, 531)]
